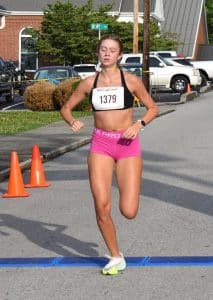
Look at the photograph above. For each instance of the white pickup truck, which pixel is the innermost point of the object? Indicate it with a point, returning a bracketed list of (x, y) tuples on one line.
[(164, 75), (204, 66), (206, 69)]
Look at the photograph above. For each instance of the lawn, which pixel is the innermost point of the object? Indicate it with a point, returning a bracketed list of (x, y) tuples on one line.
[(19, 121)]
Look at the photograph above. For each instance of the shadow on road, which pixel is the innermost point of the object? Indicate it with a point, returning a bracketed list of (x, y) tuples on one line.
[(48, 236)]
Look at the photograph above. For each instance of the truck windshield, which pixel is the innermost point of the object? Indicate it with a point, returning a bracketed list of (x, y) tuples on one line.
[(165, 61)]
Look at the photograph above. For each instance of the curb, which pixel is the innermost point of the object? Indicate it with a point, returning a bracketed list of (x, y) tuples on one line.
[(183, 98), (166, 112), (207, 88), (63, 149), (186, 97), (25, 165)]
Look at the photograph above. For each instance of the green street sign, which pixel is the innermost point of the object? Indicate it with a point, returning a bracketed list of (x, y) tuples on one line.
[(99, 26), (103, 26)]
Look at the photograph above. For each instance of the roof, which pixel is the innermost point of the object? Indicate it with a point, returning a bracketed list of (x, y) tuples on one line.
[(183, 18), (39, 5), (127, 5)]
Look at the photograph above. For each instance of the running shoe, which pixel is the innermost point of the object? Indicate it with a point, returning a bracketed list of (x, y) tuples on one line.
[(115, 265)]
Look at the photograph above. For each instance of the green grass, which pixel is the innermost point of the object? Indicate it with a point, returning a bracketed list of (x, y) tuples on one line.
[(19, 121)]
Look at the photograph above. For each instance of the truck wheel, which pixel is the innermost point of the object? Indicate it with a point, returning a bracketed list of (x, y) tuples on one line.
[(204, 79), (179, 84), (10, 98)]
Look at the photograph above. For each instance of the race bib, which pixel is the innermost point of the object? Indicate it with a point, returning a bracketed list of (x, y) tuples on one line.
[(108, 98)]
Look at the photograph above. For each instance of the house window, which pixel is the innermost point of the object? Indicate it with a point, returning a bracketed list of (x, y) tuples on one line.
[(29, 56)]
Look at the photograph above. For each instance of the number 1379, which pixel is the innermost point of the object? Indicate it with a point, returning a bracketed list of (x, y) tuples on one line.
[(108, 99)]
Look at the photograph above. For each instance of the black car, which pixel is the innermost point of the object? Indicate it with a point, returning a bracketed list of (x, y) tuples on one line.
[(6, 82), (54, 74)]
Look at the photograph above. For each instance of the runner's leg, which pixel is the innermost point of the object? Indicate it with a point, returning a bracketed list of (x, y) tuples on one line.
[(100, 176), (128, 174)]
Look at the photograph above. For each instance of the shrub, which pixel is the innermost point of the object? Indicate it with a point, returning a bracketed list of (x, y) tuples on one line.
[(83, 105), (39, 96), (64, 90), (46, 96)]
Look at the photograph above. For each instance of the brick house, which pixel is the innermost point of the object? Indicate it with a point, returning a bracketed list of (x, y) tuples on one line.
[(188, 21)]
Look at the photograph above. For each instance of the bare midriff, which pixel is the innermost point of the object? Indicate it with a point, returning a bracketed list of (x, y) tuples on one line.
[(114, 120)]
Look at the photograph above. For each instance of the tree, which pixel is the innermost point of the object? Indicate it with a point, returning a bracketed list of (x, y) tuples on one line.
[(209, 15), (66, 36), (162, 41)]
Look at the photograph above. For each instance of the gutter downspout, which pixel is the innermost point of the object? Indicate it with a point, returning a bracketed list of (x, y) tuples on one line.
[(119, 9), (3, 13), (2, 22)]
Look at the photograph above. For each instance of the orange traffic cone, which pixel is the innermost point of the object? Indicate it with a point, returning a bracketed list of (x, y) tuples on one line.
[(15, 185), (188, 88), (37, 177)]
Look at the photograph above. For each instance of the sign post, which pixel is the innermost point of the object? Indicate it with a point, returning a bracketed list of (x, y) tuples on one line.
[(99, 27)]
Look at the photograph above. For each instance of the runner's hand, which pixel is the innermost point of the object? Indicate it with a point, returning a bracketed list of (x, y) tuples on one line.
[(76, 125), (132, 131)]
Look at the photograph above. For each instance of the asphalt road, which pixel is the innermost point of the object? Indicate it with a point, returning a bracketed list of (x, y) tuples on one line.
[(175, 219), (17, 104)]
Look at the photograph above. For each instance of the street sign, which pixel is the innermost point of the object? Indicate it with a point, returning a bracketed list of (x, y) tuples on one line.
[(99, 26)]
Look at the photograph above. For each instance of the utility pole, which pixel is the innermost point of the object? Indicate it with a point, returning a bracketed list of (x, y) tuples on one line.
[(135, 29), (146, 34)]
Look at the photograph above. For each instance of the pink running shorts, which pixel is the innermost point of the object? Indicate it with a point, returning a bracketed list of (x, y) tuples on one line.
[(112, 144)]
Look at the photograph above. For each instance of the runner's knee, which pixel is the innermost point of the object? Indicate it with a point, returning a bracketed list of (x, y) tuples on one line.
[(103, 212), (129, 208), (128, 213)]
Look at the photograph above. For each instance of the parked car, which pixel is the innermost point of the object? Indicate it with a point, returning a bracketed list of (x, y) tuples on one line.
[(85, 70), (205, 67), (6, 83), (19, 76), (54, 74), (164, 75), (135, 69)]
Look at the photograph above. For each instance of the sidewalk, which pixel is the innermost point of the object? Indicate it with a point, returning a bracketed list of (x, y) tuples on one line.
[(53, 140)]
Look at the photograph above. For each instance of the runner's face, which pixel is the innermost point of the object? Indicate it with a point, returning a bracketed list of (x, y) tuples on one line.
[(109, 52)]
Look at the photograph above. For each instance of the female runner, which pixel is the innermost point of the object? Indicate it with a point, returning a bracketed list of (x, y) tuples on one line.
[(115, 144)]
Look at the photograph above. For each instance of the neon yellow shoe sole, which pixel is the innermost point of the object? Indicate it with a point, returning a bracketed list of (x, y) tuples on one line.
[(112, 271)]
